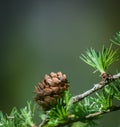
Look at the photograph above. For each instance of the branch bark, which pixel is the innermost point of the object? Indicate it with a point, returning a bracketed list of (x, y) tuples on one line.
[(95, 88), (114, 108)]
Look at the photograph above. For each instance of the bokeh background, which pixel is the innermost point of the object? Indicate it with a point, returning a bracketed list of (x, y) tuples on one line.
[(37, 37)]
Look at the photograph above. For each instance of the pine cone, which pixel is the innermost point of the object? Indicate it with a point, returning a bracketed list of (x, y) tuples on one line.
[(50, 89)]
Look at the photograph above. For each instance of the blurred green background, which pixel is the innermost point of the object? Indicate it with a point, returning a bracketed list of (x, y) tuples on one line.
[(38, 37)]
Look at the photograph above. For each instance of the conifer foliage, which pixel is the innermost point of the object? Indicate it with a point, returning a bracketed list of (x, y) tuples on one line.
[(60, 108)]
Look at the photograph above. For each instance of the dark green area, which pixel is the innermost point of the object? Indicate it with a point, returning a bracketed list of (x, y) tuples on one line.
[(39, 37)]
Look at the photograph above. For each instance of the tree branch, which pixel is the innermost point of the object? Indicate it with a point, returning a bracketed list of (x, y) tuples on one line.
[(114, 108), (90, 116), (77, 98), (95, 88)]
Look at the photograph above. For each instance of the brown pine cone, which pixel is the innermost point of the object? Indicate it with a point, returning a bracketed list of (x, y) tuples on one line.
[(50, 89)]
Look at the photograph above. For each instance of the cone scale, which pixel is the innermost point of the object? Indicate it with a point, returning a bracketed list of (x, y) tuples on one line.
[(50, 89)]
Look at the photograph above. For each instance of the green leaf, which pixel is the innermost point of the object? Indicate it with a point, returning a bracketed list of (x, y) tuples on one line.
[(101, 60), (25, 115), (116, 39), (59, 113)]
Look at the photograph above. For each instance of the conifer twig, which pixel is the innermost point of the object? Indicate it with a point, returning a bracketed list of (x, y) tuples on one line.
[(43, 123), (114, 108), (90, 116), (77, 98), (95, 88)]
